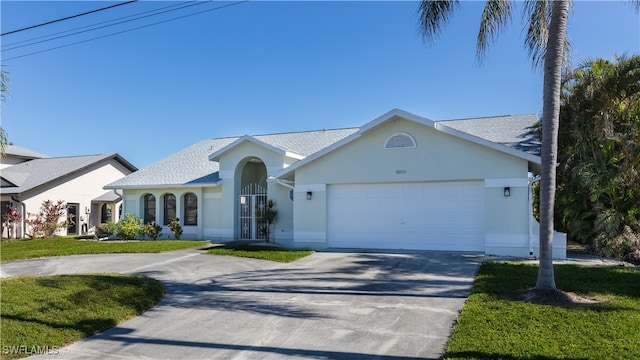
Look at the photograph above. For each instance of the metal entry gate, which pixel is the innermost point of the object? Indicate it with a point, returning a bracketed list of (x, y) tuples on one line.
[(252, 197)]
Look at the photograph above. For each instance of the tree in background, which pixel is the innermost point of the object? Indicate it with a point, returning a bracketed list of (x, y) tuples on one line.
[(598, 200), (546, 41), (4, 92)]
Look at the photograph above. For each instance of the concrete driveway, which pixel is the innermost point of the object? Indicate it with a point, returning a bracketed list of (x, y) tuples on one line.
[(330, 305)]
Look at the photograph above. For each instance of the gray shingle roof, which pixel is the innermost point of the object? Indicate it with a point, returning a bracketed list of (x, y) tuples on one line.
[(191, 166), (109, 196), (514, 131), (306, 142), (34, 173), (18, 151)]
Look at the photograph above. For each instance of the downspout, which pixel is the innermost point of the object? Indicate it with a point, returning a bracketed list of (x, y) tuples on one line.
[(24, 216), (284, 184), (532, 180), (121, 195)]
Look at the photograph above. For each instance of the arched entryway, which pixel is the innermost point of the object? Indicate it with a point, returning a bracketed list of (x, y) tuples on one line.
[(252, 194)]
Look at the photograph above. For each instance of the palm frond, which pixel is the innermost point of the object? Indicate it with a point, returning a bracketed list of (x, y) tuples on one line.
[(495, 17), (4, 86), (434, 15), (536, 15)]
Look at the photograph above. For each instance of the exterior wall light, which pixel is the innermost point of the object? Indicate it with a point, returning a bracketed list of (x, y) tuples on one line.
[(309, 195), (507, 191)]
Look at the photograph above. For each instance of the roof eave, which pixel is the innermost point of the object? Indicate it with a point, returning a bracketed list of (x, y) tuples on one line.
[(247, 138), (154, 186), (534, 159)]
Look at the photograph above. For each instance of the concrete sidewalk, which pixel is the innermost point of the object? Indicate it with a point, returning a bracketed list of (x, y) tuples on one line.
[(332, 305)]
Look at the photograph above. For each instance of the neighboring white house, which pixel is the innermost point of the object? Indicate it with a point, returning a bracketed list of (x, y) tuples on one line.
[(399, 182), (16, 154), (77, 180)]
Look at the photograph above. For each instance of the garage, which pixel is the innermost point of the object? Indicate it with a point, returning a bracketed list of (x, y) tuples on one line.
[(414, 216)]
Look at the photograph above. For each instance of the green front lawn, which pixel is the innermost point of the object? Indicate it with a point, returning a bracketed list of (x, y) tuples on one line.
[(496, 323), (260, 252), (35, 248), (42, 314)]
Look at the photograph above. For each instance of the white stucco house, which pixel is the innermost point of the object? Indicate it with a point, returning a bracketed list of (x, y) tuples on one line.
[(76, 180), (400, 181), (14, 154)]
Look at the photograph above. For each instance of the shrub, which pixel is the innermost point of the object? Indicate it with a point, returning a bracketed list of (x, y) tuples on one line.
[(46, 222), (10, 219), (106, 230), (152, 230), (129, 227), (266, 216), (175, 227)]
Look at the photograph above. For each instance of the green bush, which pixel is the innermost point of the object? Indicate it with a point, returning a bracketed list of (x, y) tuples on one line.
[(175, 227), (129, 227), (111, 228), (152, 230)]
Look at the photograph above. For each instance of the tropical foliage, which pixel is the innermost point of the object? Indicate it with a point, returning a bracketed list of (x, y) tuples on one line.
[(152, 230), (176, 228), (598, 199), (4, 92), (51, 217), (266, 216)]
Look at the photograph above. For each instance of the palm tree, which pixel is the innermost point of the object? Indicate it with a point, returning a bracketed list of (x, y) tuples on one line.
[(546, 42)]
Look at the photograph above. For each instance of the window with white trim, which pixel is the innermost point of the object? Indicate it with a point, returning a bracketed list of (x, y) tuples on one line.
[(400, 141)]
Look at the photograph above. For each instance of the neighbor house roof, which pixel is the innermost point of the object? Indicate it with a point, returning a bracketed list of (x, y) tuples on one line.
[(32, 174), (20, 152), (109, 196), (192, 167), (198, 164)]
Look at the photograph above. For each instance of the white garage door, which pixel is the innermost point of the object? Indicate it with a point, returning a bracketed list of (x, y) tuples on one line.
[(417, 216)]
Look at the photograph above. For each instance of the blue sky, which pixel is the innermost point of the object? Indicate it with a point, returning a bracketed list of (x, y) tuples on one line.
[(264, 67)]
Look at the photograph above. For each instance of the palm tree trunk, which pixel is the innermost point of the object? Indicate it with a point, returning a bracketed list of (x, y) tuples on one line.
[(550, 123)]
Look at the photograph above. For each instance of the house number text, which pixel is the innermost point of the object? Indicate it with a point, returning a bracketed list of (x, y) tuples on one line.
[(401, 172)]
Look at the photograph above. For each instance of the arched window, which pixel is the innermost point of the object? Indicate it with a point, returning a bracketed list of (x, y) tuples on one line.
[(169, 201), (105, 213), (149, 208), (399, 141), (190, 209)]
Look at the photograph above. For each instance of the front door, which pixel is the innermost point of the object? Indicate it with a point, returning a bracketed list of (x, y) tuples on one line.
[(72, 217), (252, 197)]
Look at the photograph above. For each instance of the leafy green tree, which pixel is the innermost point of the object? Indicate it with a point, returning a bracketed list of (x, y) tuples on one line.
[(598, 199)]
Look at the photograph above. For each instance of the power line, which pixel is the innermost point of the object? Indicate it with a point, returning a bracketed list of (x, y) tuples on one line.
[(87, 26), (128, 30), (67, 18), (190, 4)]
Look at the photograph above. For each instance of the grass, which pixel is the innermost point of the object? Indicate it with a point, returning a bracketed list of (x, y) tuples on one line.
[(496, 323), (35, 248), (42, 314), (260, 252)]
